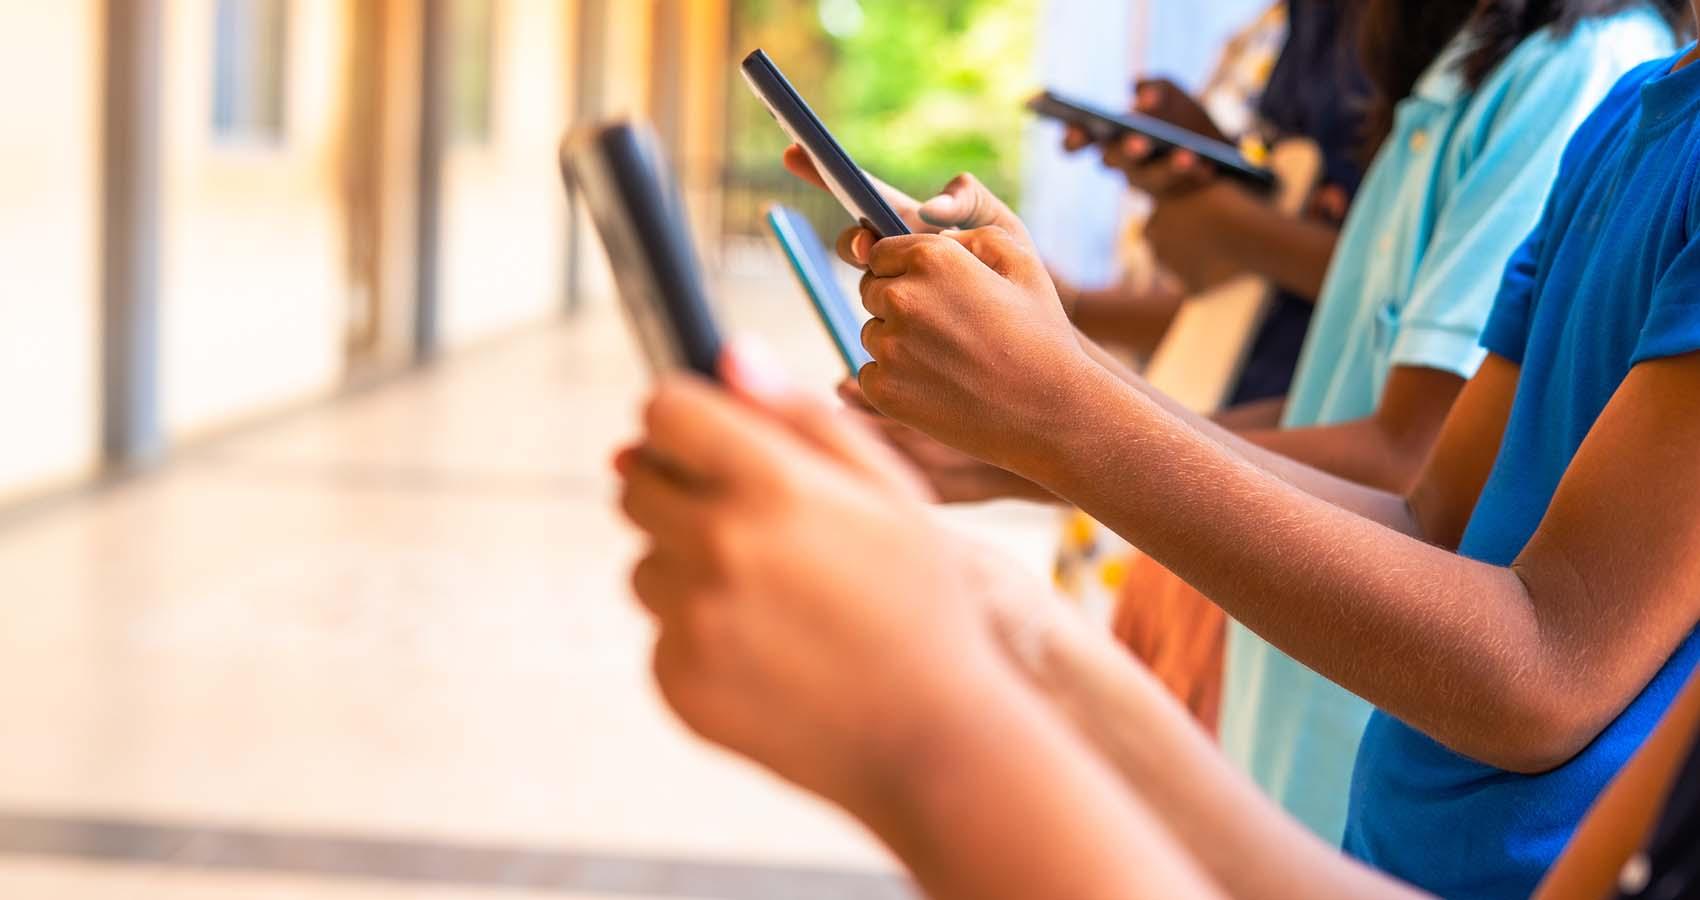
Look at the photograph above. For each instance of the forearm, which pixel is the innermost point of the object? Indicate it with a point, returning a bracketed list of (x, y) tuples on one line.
[(1245, 232), (1385, 507), (1361, 451), (1009, 804), (1254, 416), (1135, 321), (1242, 839), (1451, 646)]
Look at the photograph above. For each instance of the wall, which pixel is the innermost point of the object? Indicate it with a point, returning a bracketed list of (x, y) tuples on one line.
[(504, 208), (254, 287), (49, 241)]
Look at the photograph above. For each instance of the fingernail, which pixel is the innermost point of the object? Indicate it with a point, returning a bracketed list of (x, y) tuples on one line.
[(751, 368), (862, 246), (940, 210)]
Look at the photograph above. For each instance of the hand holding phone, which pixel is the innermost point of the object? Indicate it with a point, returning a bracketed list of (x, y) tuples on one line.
[(640, 216), (847, 182), (1149, 139)]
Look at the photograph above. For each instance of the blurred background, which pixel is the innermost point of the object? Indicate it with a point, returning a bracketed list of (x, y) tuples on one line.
[(310, 370)]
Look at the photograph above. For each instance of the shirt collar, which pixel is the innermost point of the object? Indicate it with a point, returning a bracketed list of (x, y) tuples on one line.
[(1443, 82)]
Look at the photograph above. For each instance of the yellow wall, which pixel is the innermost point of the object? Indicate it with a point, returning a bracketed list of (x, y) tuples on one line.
[(49, 240), (253, 277)]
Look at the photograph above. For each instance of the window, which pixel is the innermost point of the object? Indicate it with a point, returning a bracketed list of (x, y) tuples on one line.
[(249, 67), (472, 30)]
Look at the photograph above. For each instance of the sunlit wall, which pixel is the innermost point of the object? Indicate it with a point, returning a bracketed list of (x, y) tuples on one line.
[(49, 240)]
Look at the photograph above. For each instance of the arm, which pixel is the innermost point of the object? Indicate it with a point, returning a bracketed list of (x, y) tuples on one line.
[(1525, 694), (1386, 450), (1245, 842), (783, 558), (1580, 621), (1123, 315), (1382, 506), (1241, 233), (1257, 415), (1056, 824), (1622, 820)]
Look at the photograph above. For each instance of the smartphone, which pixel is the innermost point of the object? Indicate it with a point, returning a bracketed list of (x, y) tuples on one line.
[(1103, 125), (813, 267), (640, 215), (843, 177)]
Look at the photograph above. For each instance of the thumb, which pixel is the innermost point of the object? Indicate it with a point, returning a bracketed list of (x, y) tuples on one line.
[(749, 370), (967, 204)]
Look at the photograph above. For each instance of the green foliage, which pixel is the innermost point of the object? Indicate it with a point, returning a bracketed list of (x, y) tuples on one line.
[(919, 92)]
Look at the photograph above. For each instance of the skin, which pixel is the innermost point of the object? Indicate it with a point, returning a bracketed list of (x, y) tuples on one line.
[(1259, 533), (1386, 450), (787, 550), (1201, 220), (1135, 319), (769, 644)]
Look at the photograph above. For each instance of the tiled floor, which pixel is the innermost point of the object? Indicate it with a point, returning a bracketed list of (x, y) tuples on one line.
[(393, 630)]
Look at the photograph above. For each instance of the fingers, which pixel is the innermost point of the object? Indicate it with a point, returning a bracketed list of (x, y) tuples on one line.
[(854, 245), (798, 163), (749, 370), (892, 257), (709, 433), (659, 504), (1076, 139), (1155, 172), (966, 204), (1004, 255), (851, 393), (1150, 97)]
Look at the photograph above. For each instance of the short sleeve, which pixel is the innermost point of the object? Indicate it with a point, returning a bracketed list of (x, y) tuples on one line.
[(1507, 331), (1673, 315), (1492, 209)]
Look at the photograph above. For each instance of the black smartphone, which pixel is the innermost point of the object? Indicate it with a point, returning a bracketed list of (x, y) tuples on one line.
[(640, 215), (1102, 125), (813, 266), (843, 177)]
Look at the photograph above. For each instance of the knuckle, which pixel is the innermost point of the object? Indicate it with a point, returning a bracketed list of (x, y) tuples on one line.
[(722, 549), (870, 335), (708, 629)]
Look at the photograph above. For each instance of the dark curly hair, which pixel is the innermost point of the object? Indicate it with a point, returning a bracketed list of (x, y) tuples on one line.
[(1402, 38)]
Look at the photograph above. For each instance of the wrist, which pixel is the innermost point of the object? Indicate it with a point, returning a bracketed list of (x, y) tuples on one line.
[(1076, 421), (961, 721)]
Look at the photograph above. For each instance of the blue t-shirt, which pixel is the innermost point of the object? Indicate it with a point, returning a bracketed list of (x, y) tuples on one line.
[(1609, 279)]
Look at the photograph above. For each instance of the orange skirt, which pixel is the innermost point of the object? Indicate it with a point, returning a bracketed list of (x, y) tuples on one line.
[(1178, 633)]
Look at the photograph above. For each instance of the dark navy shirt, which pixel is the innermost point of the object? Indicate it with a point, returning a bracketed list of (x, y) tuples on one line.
[(1318, 90)]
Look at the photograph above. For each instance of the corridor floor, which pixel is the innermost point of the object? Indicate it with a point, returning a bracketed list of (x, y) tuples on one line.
[(382, 648)]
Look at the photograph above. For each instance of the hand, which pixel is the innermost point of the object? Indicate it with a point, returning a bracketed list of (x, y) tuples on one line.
[(1166, 175), (955, 477), (813, 617), (964, 204), (1186, 234), (1163, 99), (970, 343)]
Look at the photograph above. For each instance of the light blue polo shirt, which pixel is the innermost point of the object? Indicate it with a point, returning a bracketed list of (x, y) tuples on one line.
[(1460, 182)]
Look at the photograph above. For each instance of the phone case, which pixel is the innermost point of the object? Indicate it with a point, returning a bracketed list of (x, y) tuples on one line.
[(1103, 125), (843, 177), (813, 267), (640, 216)]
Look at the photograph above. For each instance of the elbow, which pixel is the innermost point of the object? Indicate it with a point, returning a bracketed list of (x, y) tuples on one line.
[(1539, 734)]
